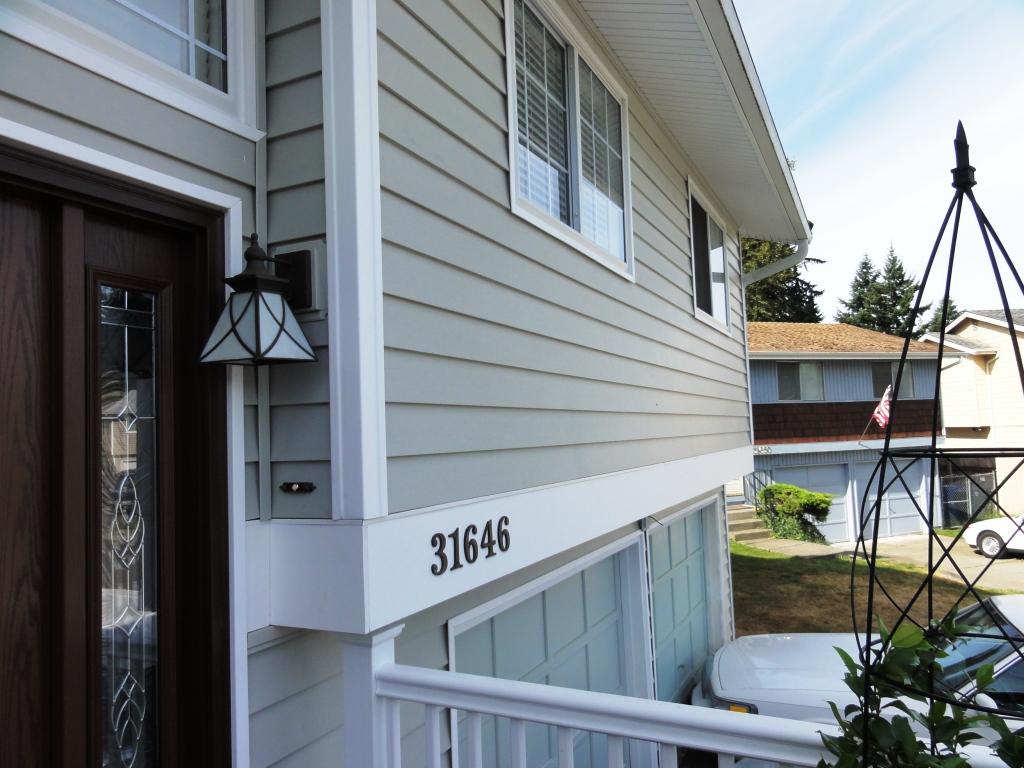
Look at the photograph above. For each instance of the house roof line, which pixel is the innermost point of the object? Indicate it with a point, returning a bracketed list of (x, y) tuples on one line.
[(953, 342)]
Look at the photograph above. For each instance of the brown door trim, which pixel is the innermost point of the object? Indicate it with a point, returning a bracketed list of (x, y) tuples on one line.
[(201, 630)]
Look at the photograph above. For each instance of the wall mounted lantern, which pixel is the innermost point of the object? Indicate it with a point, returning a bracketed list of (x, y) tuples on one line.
[(257, 327)]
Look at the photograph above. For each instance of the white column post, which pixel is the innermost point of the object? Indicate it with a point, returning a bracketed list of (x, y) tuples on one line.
[(354, 282), (364, 714)]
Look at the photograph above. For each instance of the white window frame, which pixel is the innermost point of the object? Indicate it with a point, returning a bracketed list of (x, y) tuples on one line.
[(638, 642), (576, 48), (57, 33), (821, 367), (693, 190)]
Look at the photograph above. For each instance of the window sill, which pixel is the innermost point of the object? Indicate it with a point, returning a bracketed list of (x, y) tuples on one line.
[(572, 238), (58, 34), (707, 319)]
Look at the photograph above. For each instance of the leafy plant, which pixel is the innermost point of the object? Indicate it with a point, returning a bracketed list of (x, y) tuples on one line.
[(791, 512), (884, 729)]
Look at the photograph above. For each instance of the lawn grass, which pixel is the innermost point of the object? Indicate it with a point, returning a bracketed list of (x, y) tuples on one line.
[(774, 592)]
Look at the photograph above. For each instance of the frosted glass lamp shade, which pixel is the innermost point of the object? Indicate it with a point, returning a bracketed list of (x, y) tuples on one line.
[(257, 326)]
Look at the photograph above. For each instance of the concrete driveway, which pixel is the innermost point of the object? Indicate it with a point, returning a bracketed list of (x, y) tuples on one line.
[(1006, 573)]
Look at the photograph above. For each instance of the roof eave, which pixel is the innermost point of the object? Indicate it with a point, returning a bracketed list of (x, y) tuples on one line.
[(865, 355), (727, 35)]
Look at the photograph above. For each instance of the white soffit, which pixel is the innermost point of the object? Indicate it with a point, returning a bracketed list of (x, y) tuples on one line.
[(690, 61)]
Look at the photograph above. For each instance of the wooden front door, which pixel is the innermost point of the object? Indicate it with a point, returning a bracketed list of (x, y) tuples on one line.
[(113, 557)]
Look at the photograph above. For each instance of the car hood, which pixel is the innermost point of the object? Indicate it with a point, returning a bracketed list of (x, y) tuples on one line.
[(767, 665)]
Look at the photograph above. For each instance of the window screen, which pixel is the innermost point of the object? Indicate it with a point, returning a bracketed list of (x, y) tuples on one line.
[(542, 161), (812, 384), (600, 164)]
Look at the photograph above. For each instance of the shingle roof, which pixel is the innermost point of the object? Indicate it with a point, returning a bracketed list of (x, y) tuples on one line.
[(998, 314), (824, 338)]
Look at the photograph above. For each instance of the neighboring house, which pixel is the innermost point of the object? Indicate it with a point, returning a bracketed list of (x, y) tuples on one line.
[(982, 408), (523, 222), (814, 387)]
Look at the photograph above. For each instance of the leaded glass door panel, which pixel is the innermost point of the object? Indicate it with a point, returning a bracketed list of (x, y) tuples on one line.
[(113, 509)]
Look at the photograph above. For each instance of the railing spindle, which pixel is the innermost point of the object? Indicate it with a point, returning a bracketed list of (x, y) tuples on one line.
[(566, 748), (615, 752), (517, 740), (394, 748), (432, 726), (474, 740), (726, 761), (667, 756)]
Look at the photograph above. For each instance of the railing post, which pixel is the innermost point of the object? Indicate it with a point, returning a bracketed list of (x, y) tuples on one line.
[(363, 712)]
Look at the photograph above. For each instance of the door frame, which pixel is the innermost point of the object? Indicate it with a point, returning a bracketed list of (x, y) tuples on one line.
[(123, 181)]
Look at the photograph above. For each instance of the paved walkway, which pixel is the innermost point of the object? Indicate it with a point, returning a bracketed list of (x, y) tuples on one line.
[(1004, 574)]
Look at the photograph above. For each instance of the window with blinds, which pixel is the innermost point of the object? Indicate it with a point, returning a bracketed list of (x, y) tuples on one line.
[(569, 157), (601, 214), (542, 115)]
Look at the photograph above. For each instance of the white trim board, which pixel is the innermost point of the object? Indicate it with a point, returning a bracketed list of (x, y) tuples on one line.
[(70, 153), (55, 32), (320, 580), (355, 295), (781, 356), (842, 445)]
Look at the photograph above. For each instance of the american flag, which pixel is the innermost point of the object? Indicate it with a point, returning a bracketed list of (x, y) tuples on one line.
[(881, 413)]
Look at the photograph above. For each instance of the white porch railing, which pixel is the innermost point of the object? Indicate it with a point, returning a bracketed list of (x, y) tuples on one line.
[(730, 735)]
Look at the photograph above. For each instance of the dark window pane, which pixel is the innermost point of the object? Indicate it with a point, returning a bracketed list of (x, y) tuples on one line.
[(881, 377), (701, 258), (789, 381)]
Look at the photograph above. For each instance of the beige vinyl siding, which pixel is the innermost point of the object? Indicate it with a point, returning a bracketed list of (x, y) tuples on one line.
[(298, 406), (511, 359), (999, 404), (295, 702)]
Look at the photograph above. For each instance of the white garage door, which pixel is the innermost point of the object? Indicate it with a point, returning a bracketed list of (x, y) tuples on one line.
[(570, 635), (679, 595), (824, 478), (898, 513)]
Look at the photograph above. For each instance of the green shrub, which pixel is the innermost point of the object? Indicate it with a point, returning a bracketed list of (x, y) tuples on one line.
[(791, 512)]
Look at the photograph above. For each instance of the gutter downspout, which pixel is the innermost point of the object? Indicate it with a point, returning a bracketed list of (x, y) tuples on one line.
[(778, 266)]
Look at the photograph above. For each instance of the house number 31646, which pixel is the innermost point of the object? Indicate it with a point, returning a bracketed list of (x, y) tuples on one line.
[(466, 544)]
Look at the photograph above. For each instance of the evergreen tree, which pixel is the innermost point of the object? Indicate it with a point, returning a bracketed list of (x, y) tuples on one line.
[(882, 301), (859, 308), (784, 297), (894, 299), (952, 312)]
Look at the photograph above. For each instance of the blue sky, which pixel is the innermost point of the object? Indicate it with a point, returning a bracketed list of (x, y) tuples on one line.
[(865, 96)]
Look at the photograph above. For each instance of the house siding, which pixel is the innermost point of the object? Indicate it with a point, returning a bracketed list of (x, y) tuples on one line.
[(295, 702), (298, 407), (822, 421), (844, 380), (990, 399), (512, 360)]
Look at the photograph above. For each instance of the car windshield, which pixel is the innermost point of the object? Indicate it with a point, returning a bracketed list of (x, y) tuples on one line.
[(966, 655)]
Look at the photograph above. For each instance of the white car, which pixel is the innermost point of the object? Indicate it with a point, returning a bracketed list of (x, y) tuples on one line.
[(795, 676), (989, 536)]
